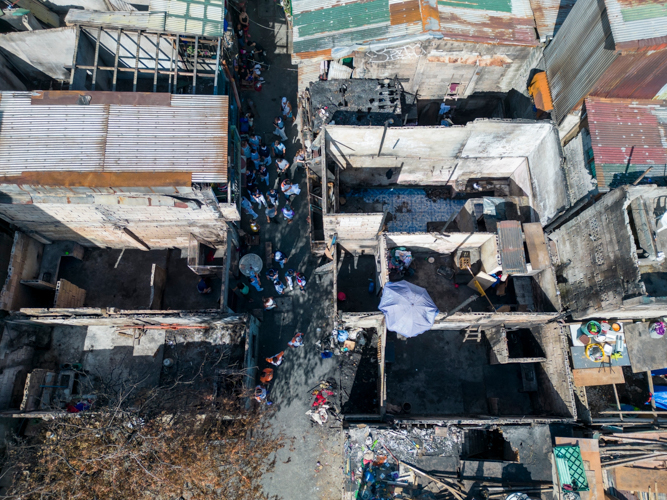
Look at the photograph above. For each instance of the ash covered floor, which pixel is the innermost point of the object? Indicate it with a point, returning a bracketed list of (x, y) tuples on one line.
[(409, 209), (359, 375), (354, 277), (438, 374), (128, 284)]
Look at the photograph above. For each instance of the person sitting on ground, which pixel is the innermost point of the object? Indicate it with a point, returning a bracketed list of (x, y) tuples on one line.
[(301, 281), (266, 376), (240, 35), (278, 149), (297, 340), (254, 281), (280, 258), (277, 359), (242, 290), (256, 51), (286, 108), (265, 154), (251, 121), (288, 213), (204, 285), (272, 196), (269, 303), (282, 165), (290, 276), (258, 197), (263, 174)]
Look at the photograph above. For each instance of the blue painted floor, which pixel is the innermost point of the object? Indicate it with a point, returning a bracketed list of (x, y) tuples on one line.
[(410, 207)]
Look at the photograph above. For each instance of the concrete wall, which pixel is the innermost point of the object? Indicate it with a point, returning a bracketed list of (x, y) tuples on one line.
[(44, 52), (359, 229), (116, 221), (24, 264), (434, 242), (527, 154), (428, 67)]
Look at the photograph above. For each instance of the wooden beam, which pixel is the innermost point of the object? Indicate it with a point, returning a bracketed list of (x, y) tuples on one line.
[(119, 33), (97, 56), (136, 62), (41, 12), (194, 77), (157, 62)]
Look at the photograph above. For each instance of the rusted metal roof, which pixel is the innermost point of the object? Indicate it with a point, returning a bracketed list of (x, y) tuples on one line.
[(324, 24), (634, 21), (626, 136), (636, 75), (510, 242), (550, 15), (488, 21), (189, 135), (578, 56)]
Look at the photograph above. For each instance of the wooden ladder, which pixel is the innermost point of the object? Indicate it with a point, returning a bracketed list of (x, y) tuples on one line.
[(473, 333)]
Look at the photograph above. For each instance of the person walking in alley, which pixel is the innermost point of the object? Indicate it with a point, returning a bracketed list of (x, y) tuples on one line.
[(290, 276), (258, 198), (273, 197), (265, 154), (250, 177), (277, 359), (242, 290), (270, 213), (288, 213), (288, 188), (297, 340), (279, 130), (254, 141), (280, 258), (282, 165), (247, 207), (269, 303), (278, 149), (263, 174), (245, 149), (301, 281), (286, 109)]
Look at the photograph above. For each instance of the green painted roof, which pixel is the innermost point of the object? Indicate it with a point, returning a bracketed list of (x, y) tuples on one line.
[(494, 5), (341, 17)]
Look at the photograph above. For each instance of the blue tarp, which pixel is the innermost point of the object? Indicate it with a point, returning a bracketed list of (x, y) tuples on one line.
[(408, 309)]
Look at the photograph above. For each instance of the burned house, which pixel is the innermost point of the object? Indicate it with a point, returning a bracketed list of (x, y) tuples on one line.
[(149, 176), (355, 102), (610, 258), (448, 49), (57, 358), (414, 179)]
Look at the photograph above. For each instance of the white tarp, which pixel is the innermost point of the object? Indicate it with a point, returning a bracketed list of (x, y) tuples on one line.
[(408, 309)]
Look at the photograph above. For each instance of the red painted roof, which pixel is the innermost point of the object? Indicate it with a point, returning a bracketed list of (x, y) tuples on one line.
[(619, 125)]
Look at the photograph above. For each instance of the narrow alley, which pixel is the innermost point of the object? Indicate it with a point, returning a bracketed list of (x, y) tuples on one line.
[(296, 475)]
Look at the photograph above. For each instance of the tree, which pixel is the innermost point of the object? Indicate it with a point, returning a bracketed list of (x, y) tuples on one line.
[(163, 442)]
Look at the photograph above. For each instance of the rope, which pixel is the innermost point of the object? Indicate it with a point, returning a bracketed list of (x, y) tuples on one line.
[(255, 22)]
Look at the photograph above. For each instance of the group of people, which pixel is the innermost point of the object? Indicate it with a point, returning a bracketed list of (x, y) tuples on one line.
[(251, 59), (261, 390)]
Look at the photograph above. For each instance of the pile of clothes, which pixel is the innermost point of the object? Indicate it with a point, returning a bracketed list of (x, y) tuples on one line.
[(400, 259)]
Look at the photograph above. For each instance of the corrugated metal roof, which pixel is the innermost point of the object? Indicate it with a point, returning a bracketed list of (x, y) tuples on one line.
[(510, 242), (486, 27), (338, 71), (578, 55), (633, 20), (358, 35), (637, 75), (153, 21), (188, 136), (550, 15), (196, 17), (626, 131)]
